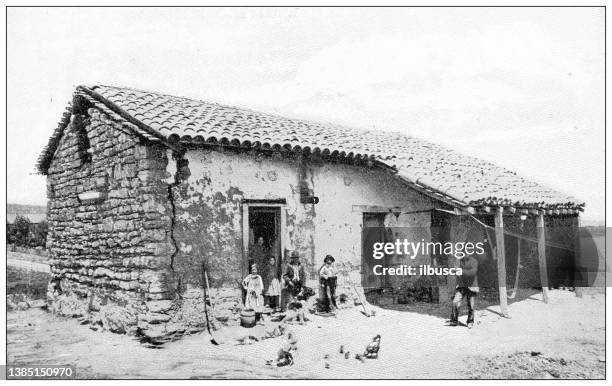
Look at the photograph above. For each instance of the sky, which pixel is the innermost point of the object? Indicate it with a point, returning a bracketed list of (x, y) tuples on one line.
[(520, 87)]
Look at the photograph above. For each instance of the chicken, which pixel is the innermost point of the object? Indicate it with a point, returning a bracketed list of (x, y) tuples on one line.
[(286, 350), (371, 350)]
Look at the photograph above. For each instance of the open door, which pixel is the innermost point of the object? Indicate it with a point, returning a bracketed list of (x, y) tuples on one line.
[(373, 231), (263, 235)]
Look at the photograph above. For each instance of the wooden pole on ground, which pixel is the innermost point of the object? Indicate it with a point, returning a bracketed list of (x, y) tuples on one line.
[(542, 256), (501, 261)]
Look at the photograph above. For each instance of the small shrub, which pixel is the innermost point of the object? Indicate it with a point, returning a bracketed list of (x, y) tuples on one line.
[(19, 231), (24, 233)]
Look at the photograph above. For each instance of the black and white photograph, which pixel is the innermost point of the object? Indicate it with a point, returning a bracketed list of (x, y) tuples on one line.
[(305, 192)]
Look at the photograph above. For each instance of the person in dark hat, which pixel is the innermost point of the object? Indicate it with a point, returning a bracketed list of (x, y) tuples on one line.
[(295, 275), (328, 278)]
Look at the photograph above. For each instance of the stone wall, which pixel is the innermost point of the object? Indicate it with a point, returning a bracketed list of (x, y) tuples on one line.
[(109, 224)]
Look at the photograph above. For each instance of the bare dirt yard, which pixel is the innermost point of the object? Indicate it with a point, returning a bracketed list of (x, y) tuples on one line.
[(562, 339)]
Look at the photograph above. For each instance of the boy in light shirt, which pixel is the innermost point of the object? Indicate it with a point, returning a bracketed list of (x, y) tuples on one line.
[(328, 277)]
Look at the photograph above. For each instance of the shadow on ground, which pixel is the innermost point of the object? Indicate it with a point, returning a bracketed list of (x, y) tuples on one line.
[(487, 298)]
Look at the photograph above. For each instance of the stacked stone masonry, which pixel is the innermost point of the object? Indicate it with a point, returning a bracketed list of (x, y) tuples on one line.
[(110, 257)]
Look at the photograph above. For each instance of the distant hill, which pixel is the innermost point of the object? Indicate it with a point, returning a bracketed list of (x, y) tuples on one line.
[(35, 213), (592, 223), (596, 230)]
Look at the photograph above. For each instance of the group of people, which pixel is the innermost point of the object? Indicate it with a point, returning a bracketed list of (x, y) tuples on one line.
[(261, 285), (266, 291)]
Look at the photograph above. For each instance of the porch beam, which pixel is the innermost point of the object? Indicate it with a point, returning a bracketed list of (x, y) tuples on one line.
[(542, 256), (386, 209), (501, 261)]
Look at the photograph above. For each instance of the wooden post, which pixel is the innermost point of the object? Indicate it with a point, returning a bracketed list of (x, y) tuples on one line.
[(542, 256), (501, 261), (245, 239)]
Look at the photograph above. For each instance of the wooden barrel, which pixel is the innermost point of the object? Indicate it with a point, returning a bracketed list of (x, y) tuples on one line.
[(247, 318)]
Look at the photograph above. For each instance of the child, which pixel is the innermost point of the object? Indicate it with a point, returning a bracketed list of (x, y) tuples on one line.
[(254, 287), (328, 276), (273, 289)]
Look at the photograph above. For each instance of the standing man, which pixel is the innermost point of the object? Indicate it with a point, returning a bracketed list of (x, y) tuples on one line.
[(295, 275), (467, 287)]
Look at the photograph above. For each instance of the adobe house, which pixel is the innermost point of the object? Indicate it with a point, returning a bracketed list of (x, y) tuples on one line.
[(145, 188)]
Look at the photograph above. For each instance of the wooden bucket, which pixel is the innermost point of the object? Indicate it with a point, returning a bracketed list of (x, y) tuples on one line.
[(247, 318)]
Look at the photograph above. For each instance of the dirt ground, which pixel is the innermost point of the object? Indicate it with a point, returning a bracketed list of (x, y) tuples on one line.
[(562, 339)]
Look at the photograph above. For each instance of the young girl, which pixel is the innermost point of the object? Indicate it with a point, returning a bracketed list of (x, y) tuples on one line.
[(273, 287), (254, 287)]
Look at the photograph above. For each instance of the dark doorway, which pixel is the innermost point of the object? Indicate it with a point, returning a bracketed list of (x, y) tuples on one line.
[(264, 237), (373, 231)]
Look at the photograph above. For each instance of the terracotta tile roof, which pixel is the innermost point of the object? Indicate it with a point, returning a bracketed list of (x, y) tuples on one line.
[(441, 171)]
